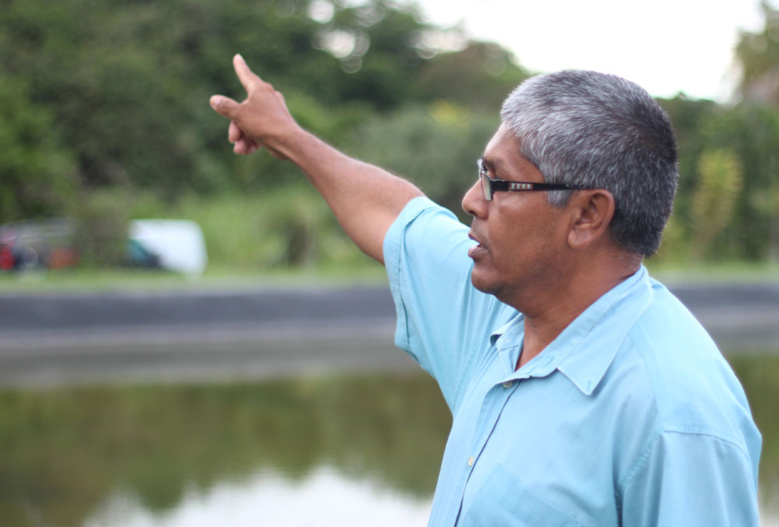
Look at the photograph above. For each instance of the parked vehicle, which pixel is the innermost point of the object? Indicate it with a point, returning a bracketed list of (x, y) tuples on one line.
[(33, 244), (175, 245), (178, 243)]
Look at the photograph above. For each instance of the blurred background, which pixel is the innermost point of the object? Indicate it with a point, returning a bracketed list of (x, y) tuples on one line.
[(152, 284)]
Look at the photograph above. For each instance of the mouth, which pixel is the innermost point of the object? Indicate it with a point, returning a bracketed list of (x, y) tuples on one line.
[(477, 250)]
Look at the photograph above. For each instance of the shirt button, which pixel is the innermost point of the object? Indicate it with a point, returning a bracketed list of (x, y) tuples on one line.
[(508, 384), (471, 460)]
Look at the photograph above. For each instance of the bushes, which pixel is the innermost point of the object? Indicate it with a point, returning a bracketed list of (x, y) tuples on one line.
[(101, 221), (285, 227), (435, 146)]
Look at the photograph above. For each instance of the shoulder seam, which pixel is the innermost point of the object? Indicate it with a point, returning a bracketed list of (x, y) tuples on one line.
[(689, 431)]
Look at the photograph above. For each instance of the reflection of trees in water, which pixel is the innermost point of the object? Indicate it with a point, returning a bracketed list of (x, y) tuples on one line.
[(65, 451), (760, 377)]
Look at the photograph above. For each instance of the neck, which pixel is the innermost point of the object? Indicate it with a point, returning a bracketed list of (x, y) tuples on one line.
[(553, 310)]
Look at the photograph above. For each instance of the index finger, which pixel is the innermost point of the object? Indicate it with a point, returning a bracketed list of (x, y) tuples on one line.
[(245, 75)]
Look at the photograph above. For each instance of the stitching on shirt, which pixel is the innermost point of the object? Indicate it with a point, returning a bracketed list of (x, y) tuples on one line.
[(644, 457), (708, 432), (507, 472), (400, 248), (687, 431), (401, 284), (670, 429), (637, 467)]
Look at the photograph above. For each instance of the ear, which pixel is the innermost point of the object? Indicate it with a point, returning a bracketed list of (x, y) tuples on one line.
[(591, 212)]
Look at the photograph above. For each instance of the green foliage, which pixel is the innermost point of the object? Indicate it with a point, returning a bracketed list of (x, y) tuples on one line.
[(713, 203), (435, 146), (287, 226), (36, 171), (128, 83), (101, 226), (750, 133), (480, 76), (758, 57), (113, 95)]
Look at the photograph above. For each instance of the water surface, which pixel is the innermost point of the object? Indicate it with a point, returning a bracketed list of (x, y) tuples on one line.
[(313, 451)]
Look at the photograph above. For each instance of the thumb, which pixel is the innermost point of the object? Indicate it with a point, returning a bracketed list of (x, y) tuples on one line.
[(224, 106)]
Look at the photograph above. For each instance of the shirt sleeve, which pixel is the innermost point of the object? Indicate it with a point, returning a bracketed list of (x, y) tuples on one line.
[(692, 479), (443, 322)]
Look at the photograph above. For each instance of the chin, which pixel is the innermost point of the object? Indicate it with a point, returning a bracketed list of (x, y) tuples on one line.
[(482, 283)]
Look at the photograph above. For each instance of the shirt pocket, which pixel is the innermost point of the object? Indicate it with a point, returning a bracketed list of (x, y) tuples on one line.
[(504, 502)]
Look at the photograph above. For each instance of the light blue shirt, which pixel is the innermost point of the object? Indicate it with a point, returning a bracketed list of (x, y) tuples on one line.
[(630, 417)]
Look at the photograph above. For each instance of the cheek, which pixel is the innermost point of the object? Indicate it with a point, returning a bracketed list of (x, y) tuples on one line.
[(528, 237)]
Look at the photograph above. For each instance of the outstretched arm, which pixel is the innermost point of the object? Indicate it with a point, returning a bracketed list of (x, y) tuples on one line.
[(365, 199)]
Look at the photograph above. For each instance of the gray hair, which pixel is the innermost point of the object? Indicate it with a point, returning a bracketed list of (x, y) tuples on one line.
[(600, 131)]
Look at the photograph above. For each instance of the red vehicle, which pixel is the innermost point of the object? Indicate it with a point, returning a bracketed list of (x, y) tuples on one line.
[(45, 244)]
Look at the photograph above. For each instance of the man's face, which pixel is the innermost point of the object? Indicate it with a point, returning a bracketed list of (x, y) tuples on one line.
[(521, 238)]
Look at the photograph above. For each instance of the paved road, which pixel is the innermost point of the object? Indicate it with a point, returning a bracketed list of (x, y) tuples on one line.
[(56, 338)]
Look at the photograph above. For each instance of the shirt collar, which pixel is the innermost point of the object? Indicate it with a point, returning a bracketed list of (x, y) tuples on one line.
[(584, 351)]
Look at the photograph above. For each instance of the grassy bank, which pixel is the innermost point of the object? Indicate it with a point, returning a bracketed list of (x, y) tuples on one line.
[(367, 273), (103, 280), (715, 272), (287, 237)]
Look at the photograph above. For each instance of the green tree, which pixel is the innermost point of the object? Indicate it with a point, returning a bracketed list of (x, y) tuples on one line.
[(101, 224), (435, 146), (128, 82), (36, 171), (480, 76), (713, 204), (758, 57), (751, 132)]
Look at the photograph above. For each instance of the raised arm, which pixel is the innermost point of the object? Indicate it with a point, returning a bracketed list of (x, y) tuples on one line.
[(365, 198)]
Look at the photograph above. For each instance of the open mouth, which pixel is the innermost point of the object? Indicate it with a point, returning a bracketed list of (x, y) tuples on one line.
[(476, 250)]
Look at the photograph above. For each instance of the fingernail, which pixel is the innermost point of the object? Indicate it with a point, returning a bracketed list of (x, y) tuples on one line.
[(215, 101), (240, 57)]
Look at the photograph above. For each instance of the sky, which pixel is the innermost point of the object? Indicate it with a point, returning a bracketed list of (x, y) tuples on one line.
[(666, 46)]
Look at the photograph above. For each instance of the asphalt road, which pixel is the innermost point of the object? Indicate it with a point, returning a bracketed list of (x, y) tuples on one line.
[(74, 338)]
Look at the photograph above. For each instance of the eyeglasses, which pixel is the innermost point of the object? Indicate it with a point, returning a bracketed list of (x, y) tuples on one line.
[(490, 186)]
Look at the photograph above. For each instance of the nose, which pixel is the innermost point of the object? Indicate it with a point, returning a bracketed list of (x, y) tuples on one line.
[(473, 202)]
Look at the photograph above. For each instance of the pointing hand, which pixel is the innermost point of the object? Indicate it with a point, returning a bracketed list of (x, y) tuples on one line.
[(261, 120)]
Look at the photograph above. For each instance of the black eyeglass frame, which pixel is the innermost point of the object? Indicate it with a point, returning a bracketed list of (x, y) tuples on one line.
[(490, 186)]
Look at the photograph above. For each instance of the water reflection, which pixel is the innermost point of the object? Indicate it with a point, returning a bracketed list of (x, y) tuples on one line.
[(67, 452), (325, 496), (312, 451), (759, 373)]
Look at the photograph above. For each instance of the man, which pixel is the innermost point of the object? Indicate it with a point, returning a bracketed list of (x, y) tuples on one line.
[(582, 391)]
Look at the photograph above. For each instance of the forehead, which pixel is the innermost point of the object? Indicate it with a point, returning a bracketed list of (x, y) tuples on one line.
[(503, 140)]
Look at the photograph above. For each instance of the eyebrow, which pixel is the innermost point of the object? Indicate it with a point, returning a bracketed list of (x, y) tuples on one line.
[(493, 165)]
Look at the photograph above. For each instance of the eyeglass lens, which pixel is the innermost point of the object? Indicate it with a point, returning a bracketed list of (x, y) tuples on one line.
[(486, 183), (486, 186)]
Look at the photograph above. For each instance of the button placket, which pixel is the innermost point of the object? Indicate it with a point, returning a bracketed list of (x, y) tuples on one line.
[(502, 396)]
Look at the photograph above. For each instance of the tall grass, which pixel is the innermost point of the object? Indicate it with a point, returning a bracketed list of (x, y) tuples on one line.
[(283, 228)]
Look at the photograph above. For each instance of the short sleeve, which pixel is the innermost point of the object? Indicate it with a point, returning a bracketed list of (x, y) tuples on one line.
[(444, 323), (694, 479)]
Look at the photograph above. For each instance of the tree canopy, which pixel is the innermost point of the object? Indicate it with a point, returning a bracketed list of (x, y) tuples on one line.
[(113, 94)]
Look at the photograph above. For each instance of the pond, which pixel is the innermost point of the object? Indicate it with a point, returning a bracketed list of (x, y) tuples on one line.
[(319, 450)]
